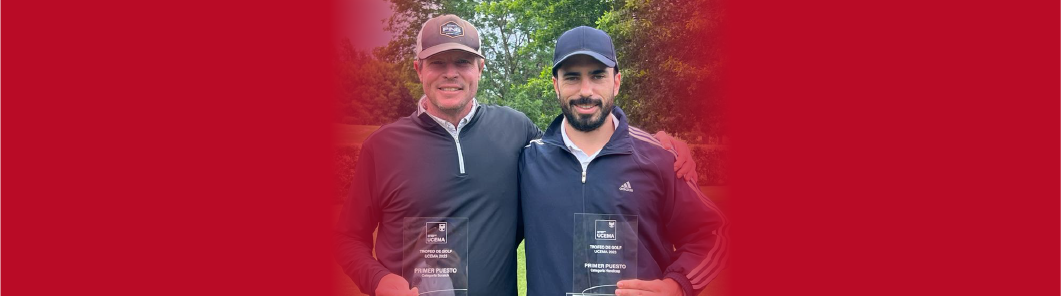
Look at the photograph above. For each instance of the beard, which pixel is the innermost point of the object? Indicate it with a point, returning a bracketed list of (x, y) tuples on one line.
[(586, 122)]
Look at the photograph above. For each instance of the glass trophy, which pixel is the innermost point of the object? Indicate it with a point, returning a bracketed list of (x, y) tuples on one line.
[(605, 251), (435, 255)]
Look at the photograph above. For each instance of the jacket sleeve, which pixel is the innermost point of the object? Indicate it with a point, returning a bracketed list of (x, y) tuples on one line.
[(699, 231), (357, 222), (533, 132)]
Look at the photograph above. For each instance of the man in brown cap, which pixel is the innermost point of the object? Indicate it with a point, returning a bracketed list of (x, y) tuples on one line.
[(440, 187)]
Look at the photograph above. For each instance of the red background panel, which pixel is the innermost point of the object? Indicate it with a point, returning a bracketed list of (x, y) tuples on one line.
[(894, 148), (166, 148)]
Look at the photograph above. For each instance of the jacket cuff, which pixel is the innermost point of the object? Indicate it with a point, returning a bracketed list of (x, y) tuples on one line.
[(378, 276), (687, 287)]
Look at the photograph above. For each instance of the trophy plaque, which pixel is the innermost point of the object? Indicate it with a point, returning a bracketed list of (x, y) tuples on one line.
[(605, 251), (435, 255)]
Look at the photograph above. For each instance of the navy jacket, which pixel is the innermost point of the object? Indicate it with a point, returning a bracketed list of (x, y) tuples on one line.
[(413, 168), (681, 233)]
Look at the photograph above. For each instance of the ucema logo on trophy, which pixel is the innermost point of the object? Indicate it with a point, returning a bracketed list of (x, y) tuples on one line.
[(436, 233), (604, 229)]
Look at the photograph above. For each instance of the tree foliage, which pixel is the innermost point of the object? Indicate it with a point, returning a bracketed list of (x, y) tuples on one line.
[(668, 54), (518, 40), (371, 91), (671, 61)]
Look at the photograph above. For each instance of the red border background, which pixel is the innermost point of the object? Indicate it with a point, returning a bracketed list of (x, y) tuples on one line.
[(879, 148), (895, 148)]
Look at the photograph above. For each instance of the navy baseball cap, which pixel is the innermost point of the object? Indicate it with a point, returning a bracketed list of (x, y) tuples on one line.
[(587, 41)]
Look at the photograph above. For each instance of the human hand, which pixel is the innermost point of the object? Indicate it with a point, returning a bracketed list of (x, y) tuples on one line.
[(394, 285), (684, 166), (665, 287)]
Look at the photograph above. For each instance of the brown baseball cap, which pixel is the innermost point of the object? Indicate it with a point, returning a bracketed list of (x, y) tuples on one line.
[(447, 32)]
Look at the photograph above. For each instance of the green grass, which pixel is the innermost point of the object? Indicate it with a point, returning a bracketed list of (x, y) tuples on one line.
[(521, 270)]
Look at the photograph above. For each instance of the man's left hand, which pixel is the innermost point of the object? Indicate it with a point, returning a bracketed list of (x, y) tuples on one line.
[(684, 166), (665, 287)]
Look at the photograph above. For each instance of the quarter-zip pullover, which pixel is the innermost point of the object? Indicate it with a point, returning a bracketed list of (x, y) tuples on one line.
[(452, 130), (413, 168)]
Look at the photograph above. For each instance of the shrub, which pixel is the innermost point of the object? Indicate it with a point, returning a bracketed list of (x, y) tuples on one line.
[(710, 164), (345, 161)]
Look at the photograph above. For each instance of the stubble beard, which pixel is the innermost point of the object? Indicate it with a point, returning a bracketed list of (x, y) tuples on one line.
[(453, 112)]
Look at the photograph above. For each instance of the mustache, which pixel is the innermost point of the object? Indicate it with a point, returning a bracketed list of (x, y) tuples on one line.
[(585, 101)]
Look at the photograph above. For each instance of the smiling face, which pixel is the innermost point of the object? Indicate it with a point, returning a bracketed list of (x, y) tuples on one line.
[(450, 79), (586, 89)]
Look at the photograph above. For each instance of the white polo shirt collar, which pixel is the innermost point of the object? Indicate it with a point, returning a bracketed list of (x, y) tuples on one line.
[(453, 130), (579, 154)]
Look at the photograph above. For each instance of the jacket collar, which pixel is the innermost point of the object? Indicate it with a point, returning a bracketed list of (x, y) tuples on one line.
[(620, 141), (425, 121)]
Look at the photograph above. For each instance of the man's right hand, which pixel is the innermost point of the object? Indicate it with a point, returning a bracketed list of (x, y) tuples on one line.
[(394, 285)]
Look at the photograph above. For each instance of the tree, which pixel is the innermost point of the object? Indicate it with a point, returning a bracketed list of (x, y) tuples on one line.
[(370, 91), (670, 56)]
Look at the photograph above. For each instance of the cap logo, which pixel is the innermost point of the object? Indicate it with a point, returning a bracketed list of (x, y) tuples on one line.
[(452, 30)]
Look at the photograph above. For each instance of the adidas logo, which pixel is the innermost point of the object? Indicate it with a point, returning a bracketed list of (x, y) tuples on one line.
[(626, 187)]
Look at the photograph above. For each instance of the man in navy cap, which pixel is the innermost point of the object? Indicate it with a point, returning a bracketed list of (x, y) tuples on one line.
[(439, 188), (591, 174)]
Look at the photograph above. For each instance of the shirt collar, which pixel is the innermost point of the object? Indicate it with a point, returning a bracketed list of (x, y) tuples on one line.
[(571, 145), (421, 109)]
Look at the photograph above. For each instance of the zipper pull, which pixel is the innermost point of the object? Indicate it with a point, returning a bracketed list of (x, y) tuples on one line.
[(583, 176)]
